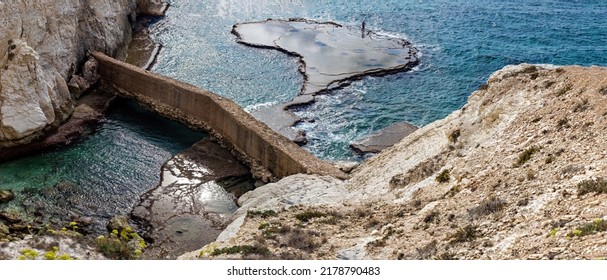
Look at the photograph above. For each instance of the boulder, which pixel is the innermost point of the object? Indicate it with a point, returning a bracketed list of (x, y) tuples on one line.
[(78, 85), (6, 196), (10, 217), (152, 7)]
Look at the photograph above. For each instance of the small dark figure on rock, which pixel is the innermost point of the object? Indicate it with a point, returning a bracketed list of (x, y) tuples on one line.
[(363, 29)]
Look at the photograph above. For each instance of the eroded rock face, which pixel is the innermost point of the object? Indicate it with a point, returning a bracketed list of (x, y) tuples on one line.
[(152, 7), (30, 100), (511, 175), (41, 45)]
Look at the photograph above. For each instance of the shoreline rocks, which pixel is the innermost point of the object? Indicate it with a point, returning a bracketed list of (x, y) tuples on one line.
[(330, 56), (6, 196)]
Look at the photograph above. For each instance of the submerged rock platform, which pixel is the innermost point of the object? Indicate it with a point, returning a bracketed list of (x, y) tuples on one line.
[(331, 54)]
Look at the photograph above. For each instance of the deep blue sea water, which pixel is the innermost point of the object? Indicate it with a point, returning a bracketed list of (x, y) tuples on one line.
[(461, 41)]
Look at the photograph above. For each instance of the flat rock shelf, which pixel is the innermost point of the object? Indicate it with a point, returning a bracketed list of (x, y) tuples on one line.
[(331, 56)]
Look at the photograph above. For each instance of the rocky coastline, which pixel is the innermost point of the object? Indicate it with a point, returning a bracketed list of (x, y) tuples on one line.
[(331, 56), (78, 105), (517, 173)]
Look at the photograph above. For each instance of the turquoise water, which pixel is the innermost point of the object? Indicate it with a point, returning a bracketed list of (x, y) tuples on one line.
[(461, 41), (103, 174)]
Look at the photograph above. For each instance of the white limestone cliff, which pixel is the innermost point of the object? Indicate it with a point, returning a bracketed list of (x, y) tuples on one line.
[(42, 45)]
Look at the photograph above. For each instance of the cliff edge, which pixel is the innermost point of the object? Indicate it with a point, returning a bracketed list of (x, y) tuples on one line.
[(517, 173), (42, 45)]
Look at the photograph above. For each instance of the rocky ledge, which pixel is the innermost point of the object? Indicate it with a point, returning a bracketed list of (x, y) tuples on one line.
[(517, 173), (331, 56)]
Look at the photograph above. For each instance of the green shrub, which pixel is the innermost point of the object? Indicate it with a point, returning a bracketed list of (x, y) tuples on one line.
[(123, 245), (525, 156), (28, 254), (454, 135), (489, 206), (308, 215), (465, 234), (444, 176), (598, 225), (244, 250), (592, 186), (261, 213)]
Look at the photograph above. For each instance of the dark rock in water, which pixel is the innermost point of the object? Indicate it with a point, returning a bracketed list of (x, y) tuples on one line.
[(118, 223), (383, 139), (6, 196), (10, 217), (331, 54)]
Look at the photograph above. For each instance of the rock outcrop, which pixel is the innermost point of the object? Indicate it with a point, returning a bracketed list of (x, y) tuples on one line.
[(517, 173), (42, 45)]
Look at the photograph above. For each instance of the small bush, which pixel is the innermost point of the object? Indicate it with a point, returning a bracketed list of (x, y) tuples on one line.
[(592, 186), (490, 206), (603, 90), (582, 106), (525, 156), (597, 225), (123, 245), (306, 216), (564, 90), (431, 217), (465, 234), (261, 213), (302, 240), (245, 250), (563, 123), (444, 176), (549, 159), (553, 232), (454, 135), (373, 223), (272, 230), (453, 191), (28, 254)]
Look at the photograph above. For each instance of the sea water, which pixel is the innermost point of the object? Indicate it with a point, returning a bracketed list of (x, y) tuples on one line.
[(461, 43), (100, 176)]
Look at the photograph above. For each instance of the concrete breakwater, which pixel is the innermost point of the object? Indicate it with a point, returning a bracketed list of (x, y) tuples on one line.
[(269, 154)]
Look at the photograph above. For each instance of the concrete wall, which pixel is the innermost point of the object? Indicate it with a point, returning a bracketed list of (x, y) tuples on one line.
[(254, 141)]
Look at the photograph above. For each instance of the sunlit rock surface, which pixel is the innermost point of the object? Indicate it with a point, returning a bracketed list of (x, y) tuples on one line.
[(195, 197), (42, 45), (331, 54)]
